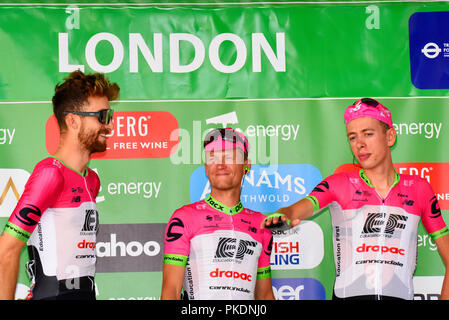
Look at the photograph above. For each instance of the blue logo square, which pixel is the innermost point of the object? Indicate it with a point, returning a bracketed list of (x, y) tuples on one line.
[(429, 50)]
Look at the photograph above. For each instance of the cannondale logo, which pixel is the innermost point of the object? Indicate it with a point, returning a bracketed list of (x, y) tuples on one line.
[(24, 215), (173, 236), (435, 208), (322, 187), (376, 221), (227, 248)]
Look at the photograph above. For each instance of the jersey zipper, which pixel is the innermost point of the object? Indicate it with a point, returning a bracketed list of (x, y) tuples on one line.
[(379, 269)]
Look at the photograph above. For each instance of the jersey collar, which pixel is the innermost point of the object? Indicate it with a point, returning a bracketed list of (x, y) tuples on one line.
[(85, 174), (217, 205), (368, 181)]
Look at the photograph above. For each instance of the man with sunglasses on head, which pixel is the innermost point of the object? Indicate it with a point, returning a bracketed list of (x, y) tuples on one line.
[(215, 246), (375, 213), (57, 215)]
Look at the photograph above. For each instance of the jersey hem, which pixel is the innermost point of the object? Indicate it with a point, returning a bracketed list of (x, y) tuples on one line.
[(175, 259), (440, 233), (17, 232)]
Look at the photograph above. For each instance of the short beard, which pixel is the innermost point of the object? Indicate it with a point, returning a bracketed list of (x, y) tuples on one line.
[(89, 141)]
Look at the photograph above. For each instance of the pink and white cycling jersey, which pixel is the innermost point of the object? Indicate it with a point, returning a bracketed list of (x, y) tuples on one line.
[(223, 249), (375, 239), (57, 216)]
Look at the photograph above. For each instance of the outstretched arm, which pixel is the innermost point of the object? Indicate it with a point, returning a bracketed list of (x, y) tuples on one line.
[(296, 212)]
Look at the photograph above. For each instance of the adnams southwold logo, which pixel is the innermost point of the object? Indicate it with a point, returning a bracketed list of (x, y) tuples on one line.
[(265, 188), (12, 184)]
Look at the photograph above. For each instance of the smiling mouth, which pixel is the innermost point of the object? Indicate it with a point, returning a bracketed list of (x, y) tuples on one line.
[(105, 134), (364, 156)]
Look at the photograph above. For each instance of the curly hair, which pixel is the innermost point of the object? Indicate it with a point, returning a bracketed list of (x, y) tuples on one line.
[(77, 87)]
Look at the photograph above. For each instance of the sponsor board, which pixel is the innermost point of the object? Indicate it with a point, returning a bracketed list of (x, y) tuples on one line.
[(12, 184), (434, 173), (298, 289), (301, 247), (130, 247), (265, 188), (427, 288), (7, 135), (429, 50), (136, 135)]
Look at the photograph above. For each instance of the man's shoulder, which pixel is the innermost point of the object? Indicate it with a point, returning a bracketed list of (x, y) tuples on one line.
[(193, 207), (49, 166)]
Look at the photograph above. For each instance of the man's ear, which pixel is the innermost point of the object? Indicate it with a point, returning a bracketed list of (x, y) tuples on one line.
[(247, 166), (391, 137), (72, 121)]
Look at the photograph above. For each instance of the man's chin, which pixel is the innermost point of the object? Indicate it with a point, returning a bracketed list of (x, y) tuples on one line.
[(223, 186), (98, 148)]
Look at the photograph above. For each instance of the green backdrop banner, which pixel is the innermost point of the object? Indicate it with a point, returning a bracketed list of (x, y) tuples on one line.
[(282, 72)]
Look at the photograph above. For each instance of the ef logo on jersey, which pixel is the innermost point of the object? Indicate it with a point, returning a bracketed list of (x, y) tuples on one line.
[(376, 222), (227, 248)]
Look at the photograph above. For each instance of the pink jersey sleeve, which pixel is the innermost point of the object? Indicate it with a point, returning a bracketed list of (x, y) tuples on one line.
[(323, 193), (177, 240), (41, 191), (431, 214)]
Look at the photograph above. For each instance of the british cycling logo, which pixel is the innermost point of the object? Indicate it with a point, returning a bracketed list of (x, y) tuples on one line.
[(301, 247), (266, 188)]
